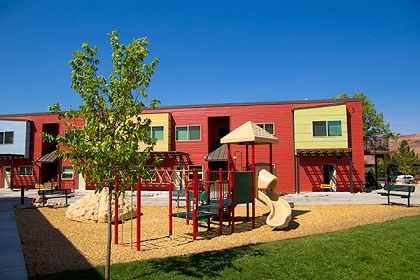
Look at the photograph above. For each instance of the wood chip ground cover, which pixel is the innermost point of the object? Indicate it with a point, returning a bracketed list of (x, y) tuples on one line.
[(52, 243)]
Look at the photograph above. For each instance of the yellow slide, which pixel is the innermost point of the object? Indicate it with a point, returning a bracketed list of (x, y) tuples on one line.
[(281, 212)]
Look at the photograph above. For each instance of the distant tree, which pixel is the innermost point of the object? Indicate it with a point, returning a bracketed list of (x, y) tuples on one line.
[(107, 130), (405, 158), (374, 126)]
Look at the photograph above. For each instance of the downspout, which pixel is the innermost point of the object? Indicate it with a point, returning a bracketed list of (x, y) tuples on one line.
[(39, 171), (12, 175), (298, 174)]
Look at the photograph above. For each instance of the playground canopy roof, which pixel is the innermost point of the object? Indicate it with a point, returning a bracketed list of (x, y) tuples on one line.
[(249, 133)]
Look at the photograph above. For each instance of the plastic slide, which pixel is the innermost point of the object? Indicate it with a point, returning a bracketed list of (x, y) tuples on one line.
[(281, 212)]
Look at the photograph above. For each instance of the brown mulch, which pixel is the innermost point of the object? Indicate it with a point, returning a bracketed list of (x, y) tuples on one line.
[(52, 243)]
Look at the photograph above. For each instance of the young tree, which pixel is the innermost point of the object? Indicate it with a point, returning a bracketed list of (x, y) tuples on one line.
[(374, 126), (405, 158), (107, 131)]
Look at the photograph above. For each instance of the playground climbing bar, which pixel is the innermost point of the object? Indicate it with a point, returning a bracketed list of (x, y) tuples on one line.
[(220, 181), (195, 203), (232, 197)]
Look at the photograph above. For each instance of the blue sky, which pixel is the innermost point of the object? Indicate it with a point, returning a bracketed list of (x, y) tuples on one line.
[(222, 51)]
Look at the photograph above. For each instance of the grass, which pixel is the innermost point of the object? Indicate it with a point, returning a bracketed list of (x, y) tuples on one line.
[(389, 250)]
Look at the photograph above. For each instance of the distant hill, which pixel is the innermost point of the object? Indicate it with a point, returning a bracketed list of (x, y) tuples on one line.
[(412, 139)]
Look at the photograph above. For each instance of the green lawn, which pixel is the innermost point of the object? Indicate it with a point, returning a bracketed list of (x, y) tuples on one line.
[(389, 250)]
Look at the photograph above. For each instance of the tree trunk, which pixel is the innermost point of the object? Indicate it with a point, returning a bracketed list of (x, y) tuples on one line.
[(109, 239)]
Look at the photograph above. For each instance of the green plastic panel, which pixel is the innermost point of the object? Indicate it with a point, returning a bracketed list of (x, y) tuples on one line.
[(243, 187)]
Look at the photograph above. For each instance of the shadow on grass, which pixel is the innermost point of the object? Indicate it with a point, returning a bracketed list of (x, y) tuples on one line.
[(208, 264), (46, 250)]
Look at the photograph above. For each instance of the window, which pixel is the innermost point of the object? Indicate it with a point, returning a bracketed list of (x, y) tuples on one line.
[(67, 173), (69, 134), (269, 127), (6, 137), (150, 173), (185, 133), (326, 128), (26, 170), (319, 128), (199, 171), (334, 128), (156, 132)]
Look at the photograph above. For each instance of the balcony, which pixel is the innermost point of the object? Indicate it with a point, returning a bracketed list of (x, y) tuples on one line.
[(376, 145)]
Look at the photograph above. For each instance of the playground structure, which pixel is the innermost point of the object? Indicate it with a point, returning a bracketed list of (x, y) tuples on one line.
[(217, 196), (214, 197), (250, 134), (280, 210)]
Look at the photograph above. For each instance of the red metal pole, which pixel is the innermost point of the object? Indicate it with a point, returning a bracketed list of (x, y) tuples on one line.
[(116, 209), (208, 178), (170, 209), (195, 200), (220, 201), (232, 188), (253, 185), (187, 205), (138, 213), (228, 157), (271, 158)]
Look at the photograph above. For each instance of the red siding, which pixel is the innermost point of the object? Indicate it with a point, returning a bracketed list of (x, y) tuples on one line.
[(280, 114), (283, 153), (38, 120)]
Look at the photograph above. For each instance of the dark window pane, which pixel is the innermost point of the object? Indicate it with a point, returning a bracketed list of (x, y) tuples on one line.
[(181, 133), (319, 128), (8, 137), (334, 128), (195, 133), (269, 127)]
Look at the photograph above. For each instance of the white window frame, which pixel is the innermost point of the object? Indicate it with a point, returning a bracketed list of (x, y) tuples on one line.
[(69, 133), (151, 132), (26, 168), (3, 138), (200, 172), (263, 126), (188, 133), (327, 133), (67, 172)]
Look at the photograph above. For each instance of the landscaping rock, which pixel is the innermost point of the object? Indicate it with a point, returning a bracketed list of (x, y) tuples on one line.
[(94, 207)]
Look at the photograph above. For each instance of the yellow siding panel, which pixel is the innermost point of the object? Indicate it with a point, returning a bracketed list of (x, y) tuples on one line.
[(303, 133), (161, 119)]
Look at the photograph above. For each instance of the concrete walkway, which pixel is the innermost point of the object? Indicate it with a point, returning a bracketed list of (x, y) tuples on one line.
[(12, 263)]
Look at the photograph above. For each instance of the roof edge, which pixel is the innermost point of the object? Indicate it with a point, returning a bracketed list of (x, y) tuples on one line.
[(2, 116)]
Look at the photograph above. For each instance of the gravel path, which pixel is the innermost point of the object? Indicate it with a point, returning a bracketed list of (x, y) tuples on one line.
[(52, 243)]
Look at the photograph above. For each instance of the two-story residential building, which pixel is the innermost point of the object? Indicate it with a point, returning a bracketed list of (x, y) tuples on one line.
[(320, 142)]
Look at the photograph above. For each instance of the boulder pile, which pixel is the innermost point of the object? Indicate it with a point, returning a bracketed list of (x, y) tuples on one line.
[(94, 207)]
